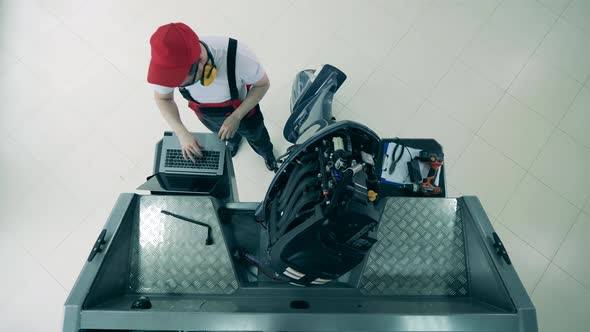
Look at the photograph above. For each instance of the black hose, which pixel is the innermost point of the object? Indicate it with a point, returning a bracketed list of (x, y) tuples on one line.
[(304, 212), (339, 191), (308, 157), (272, 224), (293, 181), (372, 179), (301, 163), (323, 169), (296, 169), (289, 214), (305, 184), (306, 199), (348, 141)]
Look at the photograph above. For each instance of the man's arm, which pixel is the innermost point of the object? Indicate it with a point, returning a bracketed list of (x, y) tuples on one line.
[(257, 91), (169, 111)]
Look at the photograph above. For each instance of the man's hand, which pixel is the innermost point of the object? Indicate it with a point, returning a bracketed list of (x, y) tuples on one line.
[(190, 146), (229, 127)]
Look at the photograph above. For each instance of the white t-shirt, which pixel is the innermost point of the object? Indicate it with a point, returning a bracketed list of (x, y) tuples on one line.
[(248, 71)]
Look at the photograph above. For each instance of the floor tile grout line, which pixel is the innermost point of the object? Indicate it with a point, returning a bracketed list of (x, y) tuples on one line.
[(44, 268), (456, 57), (463, 152), (555, 128), (376, 65), (548, 187), (561, 15), (404, 35), (575, 139), (90, 45), (381, 62), (513, 161), (264, 30), (52, 170), (527, 170), (96, 54), (35, 108), (571, 276), (576, 221), (475, 34), (553, 190), (443, 109), (567, 111), (361, 86), (431, 90), (54, 14), (501, 153), (62, 186), (562, 270), (549, 260), (459, 60), (540, 279), (542, 116), (104, 57), (555, 68), (523, 240), (97, 131), (554, 255), (412, 114), (495, 148), (549, 9), (86, 42), (75, 228), (506, 91), (511, 195)]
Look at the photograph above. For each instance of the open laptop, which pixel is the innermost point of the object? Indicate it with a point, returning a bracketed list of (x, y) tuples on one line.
[(171, 161)]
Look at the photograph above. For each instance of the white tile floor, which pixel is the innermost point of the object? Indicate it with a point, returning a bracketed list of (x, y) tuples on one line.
[(504, 86)]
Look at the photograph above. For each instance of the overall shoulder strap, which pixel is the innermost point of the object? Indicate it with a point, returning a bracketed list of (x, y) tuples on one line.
[(186, 94), (231, 68)]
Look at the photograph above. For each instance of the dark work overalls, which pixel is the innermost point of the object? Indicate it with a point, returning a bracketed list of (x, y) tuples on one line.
[(212, 115)]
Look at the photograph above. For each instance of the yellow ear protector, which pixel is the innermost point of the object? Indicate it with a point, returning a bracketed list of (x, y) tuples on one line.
[(209, 69)]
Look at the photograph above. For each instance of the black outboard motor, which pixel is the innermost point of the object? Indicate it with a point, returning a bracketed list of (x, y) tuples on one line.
[(319, 210)]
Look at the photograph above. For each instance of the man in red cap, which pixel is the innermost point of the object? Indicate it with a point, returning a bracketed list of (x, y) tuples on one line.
[(222, 81)]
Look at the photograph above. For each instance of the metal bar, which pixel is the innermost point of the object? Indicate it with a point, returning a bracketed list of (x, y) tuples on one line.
[(208, 241), (336, 322)]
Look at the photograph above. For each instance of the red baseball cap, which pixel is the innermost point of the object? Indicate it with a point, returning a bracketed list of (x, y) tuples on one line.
[(175, 48)]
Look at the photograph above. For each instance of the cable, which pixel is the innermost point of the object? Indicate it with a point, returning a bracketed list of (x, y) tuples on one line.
[(411, 158), (262, 270), (298, 192), (395, 160)]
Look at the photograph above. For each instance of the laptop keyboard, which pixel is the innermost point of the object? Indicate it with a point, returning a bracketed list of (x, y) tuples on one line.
[(210, 160)]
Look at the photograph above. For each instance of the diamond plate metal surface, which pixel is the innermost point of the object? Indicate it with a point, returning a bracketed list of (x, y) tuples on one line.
[(420, 250), (170, 256)]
